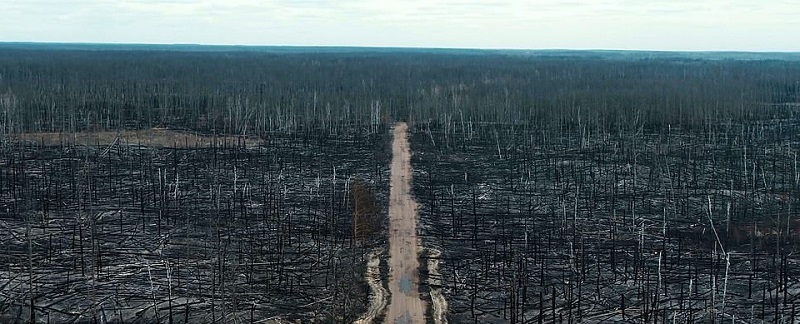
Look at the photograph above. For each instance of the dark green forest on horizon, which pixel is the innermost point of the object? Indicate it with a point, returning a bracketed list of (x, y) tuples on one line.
[(53, 88)]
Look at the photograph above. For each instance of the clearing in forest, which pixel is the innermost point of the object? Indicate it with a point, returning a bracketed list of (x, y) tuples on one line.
[(154, 137)]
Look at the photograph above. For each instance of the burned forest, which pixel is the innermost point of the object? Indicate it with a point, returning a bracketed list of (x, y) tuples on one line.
[(224, 184)]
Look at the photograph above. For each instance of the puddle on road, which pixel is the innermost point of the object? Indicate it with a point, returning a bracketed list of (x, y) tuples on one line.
[(405, 285)]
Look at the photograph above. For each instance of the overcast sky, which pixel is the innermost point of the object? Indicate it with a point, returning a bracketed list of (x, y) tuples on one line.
[(748, 25)]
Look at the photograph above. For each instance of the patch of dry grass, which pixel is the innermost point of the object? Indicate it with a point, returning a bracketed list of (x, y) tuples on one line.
[(154, 137)]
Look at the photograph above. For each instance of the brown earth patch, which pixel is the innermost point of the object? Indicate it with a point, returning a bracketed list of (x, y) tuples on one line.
[(154, 137)]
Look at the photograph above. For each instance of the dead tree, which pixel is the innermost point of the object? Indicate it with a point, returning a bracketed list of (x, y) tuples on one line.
[(366, 212)]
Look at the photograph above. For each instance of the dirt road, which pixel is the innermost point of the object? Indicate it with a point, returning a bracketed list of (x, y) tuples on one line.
[(405, 305)]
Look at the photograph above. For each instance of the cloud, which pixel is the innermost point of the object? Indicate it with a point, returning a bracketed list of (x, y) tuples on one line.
[(657, 24)]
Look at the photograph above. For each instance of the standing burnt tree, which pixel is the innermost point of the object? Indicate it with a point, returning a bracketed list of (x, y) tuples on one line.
[(367, 212)]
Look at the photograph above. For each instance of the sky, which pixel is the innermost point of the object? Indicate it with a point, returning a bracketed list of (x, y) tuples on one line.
[(693, 25)]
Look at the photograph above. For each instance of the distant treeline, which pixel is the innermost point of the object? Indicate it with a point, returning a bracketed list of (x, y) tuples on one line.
[(51, 89)]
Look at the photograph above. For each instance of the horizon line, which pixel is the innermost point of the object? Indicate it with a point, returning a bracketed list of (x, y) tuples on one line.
[(402, 47)]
